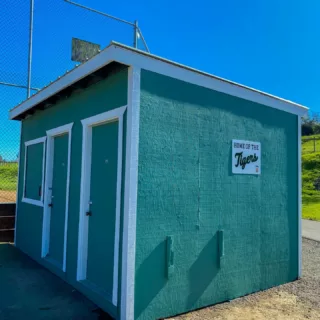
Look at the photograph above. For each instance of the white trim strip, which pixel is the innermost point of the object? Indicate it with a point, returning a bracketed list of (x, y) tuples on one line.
[(60, 130), (88, 124), (104, 117), (84, 200), (170, 69), (27, 144), (131, 191), (35, 141), (65, 81), (38, 203), (140, 59), (118, 213), (67, 199), (51, 134), (299, 201)]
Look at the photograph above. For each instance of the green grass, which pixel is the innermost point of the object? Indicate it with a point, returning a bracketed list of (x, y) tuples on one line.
[(8, 176), (311, 211), (309, 145), (310, 196)]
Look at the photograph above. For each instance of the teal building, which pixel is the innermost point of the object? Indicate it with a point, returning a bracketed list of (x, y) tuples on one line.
[(156, 189)]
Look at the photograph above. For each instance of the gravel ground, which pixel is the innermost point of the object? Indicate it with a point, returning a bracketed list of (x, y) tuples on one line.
[(293, 301)]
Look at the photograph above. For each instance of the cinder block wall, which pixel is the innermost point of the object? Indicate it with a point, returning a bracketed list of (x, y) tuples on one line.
[(187, 190)]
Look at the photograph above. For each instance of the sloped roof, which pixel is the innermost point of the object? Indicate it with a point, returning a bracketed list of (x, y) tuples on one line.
[(117, 55)]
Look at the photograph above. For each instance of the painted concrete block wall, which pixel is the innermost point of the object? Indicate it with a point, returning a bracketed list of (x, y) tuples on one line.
[(106, 95), (187, 191)]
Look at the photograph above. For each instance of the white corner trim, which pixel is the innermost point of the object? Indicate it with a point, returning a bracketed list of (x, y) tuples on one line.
[(27, 144), (17, 189), (299, 201), (136, 58), (130, 196), (51, 134), (88, 124)]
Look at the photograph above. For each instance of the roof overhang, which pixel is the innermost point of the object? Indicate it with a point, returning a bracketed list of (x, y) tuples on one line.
[(117, 54)]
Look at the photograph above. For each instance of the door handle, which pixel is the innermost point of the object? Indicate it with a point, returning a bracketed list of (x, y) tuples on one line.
[(50, 205), (89, 213)]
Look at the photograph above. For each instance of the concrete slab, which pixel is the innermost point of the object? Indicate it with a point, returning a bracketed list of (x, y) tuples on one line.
[(311, 229), (28, 291)]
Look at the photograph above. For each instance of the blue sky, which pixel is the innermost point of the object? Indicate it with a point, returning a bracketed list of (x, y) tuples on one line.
[(269, 45)]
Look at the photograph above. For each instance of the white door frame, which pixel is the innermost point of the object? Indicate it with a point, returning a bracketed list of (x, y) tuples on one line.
[(88, 123), (51, 134)]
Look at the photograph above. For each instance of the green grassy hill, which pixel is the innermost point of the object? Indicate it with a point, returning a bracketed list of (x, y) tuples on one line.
[(8, 176), (310, 175), (311, 144)]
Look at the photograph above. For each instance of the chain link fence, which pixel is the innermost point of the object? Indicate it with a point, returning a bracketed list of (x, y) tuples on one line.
[(55, 23)]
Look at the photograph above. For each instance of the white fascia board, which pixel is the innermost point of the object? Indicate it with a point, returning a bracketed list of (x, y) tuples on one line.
[(174, 70), (97, 62), (146, 61)]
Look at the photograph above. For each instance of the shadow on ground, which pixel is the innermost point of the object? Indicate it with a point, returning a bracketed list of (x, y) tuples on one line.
[(28, 291)]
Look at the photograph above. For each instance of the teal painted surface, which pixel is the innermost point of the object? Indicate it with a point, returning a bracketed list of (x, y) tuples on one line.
[(59, 188), (187, 190), (103, 194), (106, 95), (33, 187)]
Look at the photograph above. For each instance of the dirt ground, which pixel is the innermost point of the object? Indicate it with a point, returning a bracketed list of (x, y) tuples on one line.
[(293, 301), (7, 196)]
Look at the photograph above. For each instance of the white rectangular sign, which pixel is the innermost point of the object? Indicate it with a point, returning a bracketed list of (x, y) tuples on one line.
[(246, 157)]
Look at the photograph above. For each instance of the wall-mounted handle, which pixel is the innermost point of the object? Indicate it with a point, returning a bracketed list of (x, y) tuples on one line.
[(170, 257), (220, 245)]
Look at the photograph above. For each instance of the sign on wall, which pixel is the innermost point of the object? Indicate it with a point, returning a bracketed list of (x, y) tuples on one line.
[(246, 157)]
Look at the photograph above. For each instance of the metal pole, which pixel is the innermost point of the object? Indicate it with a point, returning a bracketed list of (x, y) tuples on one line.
[(143, 40), (30, 47), (17, 86), (98, 12), (135, 35), (137, 30)]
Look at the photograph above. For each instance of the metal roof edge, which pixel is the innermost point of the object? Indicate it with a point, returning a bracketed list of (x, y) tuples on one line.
[(209, 76), (130, 56), (67, 79)]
